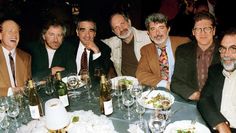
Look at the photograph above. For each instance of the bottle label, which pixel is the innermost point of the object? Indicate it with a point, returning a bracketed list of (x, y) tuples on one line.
[(34, 111), (108, 109), (64, 100)]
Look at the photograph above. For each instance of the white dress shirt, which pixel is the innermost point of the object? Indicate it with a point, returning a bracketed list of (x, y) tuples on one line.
[(51, 53), (6, 54), (228, 102), (79, 54)]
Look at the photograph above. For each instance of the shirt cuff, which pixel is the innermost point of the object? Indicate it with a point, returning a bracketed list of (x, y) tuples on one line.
[(162, 83), (97, 55)]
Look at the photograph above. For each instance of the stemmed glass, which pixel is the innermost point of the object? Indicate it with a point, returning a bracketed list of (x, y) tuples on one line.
[(49, 88), (128, 100), (140, 110), (4, 106), (73, 84), (13, 110), (86, 80), (136, 92)]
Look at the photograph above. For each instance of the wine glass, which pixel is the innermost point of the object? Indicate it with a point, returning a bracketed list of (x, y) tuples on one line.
[(127, 100), (97, 73), (13, 110), (87, 81), (136, 92), (73, 84), (140, 110), (158, 120), (49, 88), (4, 123)]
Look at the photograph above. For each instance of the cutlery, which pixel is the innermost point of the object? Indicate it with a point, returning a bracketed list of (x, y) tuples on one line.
[(146, 96)]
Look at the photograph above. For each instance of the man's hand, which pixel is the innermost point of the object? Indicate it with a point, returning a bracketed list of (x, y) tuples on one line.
[(195, 96), (92, 46), (223, 128), (56, 68)]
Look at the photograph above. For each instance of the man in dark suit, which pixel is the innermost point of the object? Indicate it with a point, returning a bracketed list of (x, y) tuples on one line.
[(217, 104), (14, 74), (98, 53), (193, 59), (52, 53)]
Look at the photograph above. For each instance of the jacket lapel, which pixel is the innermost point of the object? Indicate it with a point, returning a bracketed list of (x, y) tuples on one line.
[(4, 76)]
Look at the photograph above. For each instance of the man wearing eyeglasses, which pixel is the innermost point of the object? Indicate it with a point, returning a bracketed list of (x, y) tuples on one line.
[(217, 104), (193, 59)]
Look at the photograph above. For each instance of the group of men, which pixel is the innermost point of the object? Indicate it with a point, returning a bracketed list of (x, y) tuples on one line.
[(151, 56)]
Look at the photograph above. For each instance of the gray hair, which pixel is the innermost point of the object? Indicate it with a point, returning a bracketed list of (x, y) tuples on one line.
[(156, 18)]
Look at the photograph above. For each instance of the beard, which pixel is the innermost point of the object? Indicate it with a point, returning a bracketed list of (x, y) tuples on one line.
[(228, 66), (126, 33), (158, 39)]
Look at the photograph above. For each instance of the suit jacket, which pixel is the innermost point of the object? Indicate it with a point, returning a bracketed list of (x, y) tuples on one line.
[(103, 61), (23, 70), (210, 102), (63, 57), (141, 38), (148, 71), (184, 80)]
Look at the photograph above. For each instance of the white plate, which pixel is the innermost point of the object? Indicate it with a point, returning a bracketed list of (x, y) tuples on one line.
[(186, 124), (80, 83), (116, 79), (144, 98)]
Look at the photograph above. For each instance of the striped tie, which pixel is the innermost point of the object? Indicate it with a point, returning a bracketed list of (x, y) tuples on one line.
[(12, 64)]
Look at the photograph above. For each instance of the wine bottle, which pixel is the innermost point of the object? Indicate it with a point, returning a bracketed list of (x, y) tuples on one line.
[(61, 89), (105, 97), (35, 104)]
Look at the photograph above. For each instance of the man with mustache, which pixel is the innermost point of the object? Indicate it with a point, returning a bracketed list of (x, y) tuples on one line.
[(126, 45), (15, 65), (193, 59), (156, 65), (51, 53), (217, 104)]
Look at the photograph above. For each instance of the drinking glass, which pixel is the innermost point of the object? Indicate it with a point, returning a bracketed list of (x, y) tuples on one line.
[(4, 106), (86, 80), (5, 124), (140, 110), (136, 92), (49, 88), (158, 121), (127, 100), (73, 84), (97, 73), (13, 110)]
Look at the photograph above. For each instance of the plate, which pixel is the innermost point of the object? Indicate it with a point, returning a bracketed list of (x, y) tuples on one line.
[(143, 101), (130, 81), (186, 125), (80, 83)]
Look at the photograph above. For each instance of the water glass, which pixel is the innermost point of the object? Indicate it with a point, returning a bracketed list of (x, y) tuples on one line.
[(127, 100), (73, 84), (158, 121)]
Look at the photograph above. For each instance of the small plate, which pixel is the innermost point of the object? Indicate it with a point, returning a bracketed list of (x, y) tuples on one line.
[(186, 126), (143, 101)]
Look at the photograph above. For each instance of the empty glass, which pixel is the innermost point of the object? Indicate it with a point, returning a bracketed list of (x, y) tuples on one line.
[(5, 124), (140, 110), (49, 88), (86, 80), (73, 84), (127, 100), (158, 121), (13, 110)]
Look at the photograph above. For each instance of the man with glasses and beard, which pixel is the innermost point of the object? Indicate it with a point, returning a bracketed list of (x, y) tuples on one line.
[(125, 45), (217, 104)]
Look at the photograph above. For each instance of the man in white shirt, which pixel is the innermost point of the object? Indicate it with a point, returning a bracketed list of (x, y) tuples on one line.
[(217, 104)]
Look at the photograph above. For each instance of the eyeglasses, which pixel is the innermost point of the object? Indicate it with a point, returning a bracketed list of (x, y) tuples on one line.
[(205, 29), (231, 49)]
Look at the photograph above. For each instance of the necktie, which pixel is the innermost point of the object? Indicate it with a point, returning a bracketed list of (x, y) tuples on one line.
[(12, 64), (84, 63), (164, 66)]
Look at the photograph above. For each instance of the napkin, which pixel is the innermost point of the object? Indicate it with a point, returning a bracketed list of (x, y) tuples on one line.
[(134, 128)]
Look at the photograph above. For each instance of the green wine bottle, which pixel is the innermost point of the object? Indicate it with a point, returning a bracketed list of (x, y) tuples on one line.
[(61, 89)]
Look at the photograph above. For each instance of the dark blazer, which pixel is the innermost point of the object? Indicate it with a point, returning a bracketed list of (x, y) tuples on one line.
[(103, 61), (63, 57), (23, 70), (184, 80), (210, 102)]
